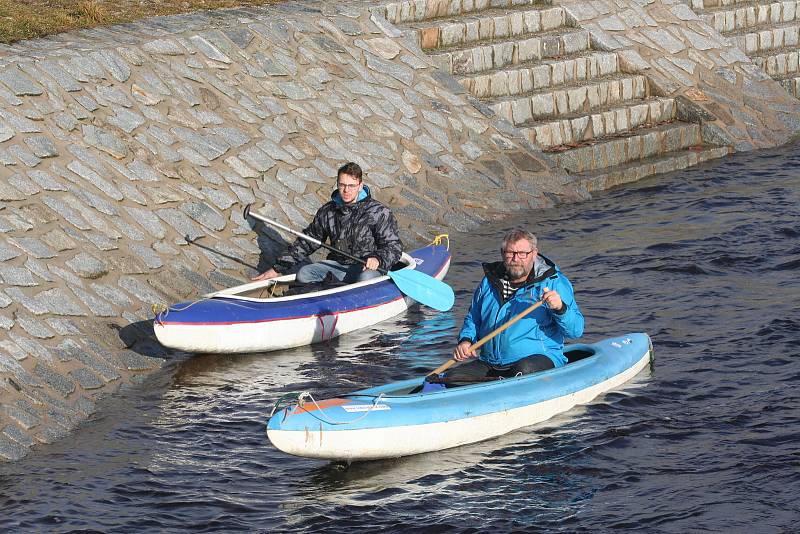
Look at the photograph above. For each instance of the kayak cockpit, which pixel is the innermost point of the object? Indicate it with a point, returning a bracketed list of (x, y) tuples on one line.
[(576, 355), (287, 285), (413, 386)]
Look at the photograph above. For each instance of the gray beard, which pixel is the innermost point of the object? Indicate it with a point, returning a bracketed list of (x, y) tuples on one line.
[(515, 272)]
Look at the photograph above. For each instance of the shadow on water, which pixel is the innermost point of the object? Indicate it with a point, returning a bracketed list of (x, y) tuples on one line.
[(359, 482), (140, 337)]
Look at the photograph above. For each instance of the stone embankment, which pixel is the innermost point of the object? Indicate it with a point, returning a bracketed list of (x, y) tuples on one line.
[(614, 90), (768, 32), (129, 152)]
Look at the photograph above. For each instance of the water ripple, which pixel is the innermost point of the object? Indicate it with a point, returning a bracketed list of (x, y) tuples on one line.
[(704, 261)]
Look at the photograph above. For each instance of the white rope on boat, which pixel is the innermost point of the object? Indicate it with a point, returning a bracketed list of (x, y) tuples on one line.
[(328, 419), (161, 311)]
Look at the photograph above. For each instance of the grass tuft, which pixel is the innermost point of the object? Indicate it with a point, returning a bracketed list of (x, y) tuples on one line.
[(91, 12)]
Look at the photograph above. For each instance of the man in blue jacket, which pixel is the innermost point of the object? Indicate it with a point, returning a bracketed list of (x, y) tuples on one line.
[(534, 343)]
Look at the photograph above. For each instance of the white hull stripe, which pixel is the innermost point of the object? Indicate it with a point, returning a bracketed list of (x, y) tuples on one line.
[(392, 442), (274, 335)]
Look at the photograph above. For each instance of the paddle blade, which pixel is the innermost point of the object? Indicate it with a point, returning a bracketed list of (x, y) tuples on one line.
[(424, 289)]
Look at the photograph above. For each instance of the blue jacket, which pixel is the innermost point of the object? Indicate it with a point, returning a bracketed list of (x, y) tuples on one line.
[(541, 332)]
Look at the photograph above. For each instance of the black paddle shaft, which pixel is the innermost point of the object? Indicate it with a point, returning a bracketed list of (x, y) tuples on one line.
[(248, 213)]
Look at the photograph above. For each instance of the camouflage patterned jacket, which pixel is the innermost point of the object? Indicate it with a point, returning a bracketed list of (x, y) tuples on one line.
[(363, 229)]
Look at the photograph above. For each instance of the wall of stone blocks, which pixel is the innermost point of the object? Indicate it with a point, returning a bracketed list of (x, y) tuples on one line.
[(683, 55), (128, 153)]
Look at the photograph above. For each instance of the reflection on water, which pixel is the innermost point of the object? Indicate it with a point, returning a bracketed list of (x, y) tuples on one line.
[(705, 261), (361, 483)]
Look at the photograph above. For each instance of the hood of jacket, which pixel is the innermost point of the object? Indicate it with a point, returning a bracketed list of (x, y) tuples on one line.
[(542, 268), (362, 195)]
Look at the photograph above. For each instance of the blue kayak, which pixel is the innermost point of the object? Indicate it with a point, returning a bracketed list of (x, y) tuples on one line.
[(391, 420), (255, 318)]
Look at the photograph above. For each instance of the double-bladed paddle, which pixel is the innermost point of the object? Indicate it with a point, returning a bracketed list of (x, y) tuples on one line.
[(419, 286)]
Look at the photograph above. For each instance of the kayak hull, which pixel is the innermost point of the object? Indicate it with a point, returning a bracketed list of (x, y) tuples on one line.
[(233, 321), (379, 423)]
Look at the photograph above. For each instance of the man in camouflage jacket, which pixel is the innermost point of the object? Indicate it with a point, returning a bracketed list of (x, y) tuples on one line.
[(354, 223)]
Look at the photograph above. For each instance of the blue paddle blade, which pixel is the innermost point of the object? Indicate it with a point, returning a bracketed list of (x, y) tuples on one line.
[(424, 289)]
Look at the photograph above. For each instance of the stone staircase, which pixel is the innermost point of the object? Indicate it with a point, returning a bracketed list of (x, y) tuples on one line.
[(524, 60), (768, 32)]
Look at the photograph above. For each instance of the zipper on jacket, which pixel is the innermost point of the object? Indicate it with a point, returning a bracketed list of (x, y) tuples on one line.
[(496, 340), (496, 316)]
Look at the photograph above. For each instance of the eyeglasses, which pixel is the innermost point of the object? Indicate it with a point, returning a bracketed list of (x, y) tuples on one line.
[(522, 254), (346, 186)]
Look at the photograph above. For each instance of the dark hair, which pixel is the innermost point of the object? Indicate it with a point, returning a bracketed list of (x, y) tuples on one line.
[(350, 168)]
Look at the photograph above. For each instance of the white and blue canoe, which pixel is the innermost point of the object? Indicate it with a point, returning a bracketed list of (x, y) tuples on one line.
[(391, 421), (247, 318)]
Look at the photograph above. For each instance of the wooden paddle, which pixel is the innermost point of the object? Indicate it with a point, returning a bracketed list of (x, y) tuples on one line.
[(446, 365), (421, 287)]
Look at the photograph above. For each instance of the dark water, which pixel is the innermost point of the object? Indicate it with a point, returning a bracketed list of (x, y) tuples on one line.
[(705, 261)]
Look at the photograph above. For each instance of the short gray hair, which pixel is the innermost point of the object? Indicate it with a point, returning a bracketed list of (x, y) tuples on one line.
[(518, 234)]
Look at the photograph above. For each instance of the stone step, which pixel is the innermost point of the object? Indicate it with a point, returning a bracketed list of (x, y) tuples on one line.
[(410, 11), (791, 84), (504, 53), (662, 163), (783, 36), (572, 99), (780, 64), (488, 26), (741, 17), (609, 122), (706, 5), (632, 146), (532, 76)]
